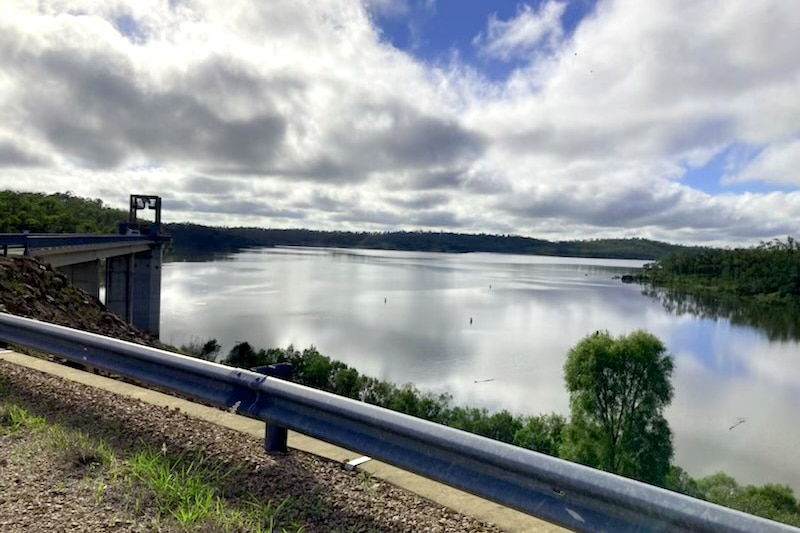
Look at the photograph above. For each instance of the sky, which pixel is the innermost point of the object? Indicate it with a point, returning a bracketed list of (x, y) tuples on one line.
[(677, 120)]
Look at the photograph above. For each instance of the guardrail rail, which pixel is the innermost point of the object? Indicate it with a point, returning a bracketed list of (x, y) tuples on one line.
[(571, 495)]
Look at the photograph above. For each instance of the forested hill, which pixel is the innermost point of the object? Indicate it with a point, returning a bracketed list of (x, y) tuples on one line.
[(65, 213), (56, 213), (769, 271), (190, 237)]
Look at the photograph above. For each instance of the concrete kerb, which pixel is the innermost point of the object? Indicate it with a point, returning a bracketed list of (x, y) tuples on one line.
[(462, 502)]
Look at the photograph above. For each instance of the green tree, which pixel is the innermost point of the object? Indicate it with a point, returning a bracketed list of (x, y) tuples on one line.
[(776, 502), (56, 213), (207, 350), (543, 433), (243, 355), (618, 389), (680, 481)]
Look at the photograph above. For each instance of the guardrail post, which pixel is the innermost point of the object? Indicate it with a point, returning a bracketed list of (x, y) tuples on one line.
[(275, 436)]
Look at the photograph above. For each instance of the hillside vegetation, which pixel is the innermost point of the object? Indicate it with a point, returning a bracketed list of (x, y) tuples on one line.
[(768, 272), (56, 213)]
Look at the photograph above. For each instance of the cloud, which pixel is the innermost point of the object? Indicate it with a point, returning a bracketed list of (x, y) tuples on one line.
[(301, 114), (12, 155), (112, 118), (778, 163), (387, 8), (205, 185), (232, 206), (521, 35), (437, 219), (393, 137), (419, 201)]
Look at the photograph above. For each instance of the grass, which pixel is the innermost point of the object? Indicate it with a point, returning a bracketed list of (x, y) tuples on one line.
[(78, 450), (179, 486), (186, 491), (13, 418), (367, 480)]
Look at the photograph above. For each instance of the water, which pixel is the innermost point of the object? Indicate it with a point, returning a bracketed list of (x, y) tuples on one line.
[(405, 317)]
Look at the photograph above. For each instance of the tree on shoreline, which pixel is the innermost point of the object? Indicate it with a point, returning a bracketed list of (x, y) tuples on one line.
[(648, 451), (619, 388)]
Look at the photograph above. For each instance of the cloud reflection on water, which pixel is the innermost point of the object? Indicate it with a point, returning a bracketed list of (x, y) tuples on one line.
[(523, 326)]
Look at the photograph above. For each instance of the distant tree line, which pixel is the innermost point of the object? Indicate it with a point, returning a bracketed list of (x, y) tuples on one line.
[(192, 238), (768, 272), (618, 387)]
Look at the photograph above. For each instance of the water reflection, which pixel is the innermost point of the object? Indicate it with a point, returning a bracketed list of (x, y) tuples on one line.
[(405, 317), (779, 322)]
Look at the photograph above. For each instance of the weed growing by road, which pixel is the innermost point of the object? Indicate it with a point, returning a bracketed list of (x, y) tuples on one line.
[(13, 418), (167, 490), (78, 450), (187, 490)]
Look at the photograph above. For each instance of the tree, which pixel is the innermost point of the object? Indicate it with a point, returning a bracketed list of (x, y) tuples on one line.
[(543, 433), (618, 391), (680, 481), (776, 502), (207, 350), (243, 355)]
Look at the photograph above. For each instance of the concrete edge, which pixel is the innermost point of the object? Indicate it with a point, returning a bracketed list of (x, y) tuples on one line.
[(457, 500)]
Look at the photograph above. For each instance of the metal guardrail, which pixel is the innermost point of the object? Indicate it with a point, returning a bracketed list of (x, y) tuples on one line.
[(564, 493)]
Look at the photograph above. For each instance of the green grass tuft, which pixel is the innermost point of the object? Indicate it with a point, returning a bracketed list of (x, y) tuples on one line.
[(186, 490), (13, 418), (179, 486), (79, 450)]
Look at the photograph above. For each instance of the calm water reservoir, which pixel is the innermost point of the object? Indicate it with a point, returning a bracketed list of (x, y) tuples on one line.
[(405, 317)]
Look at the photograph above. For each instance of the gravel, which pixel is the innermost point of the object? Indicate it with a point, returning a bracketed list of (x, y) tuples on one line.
[(40, 492)]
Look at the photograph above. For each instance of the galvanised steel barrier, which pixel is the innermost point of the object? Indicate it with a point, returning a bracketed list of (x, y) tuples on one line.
[(564, 493)]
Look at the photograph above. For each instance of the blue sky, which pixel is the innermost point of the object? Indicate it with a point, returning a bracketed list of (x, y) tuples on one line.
[(432, 31), (674, 120)]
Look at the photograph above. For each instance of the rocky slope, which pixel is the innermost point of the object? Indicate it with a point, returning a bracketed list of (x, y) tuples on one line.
[(31, 289)]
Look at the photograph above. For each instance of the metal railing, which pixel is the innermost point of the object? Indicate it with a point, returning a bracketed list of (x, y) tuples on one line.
[(39, 241), (564, 493)]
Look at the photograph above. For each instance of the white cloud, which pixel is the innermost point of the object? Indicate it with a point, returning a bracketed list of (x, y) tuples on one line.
[(387, 8), (301, 106), (778, 163), (522, 34)]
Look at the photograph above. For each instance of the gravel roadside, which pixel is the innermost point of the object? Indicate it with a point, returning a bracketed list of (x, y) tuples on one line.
[(37, 493)]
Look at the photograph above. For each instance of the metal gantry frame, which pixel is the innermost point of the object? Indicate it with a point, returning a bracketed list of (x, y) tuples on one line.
[(571, 495)]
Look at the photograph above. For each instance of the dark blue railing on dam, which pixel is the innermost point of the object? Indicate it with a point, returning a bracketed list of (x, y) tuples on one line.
[(39, 241)]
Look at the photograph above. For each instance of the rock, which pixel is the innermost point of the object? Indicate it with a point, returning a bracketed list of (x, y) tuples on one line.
[(30, 289)]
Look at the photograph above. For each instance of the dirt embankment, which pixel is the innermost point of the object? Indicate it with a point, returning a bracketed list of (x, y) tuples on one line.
[(31, 289)]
